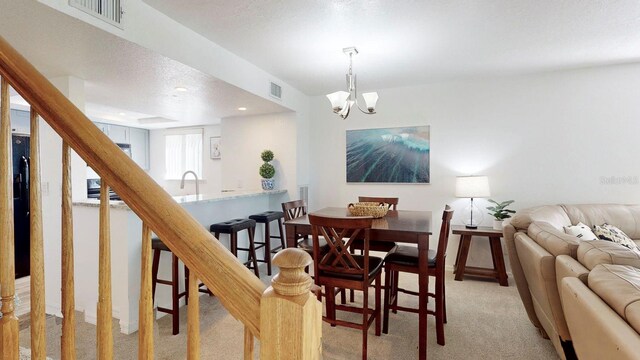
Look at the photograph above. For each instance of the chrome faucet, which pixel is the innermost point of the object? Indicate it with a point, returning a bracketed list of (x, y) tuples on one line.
[(194, 175)]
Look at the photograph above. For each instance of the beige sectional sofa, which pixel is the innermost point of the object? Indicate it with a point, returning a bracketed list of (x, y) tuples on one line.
[(542, 256), (604, 314)]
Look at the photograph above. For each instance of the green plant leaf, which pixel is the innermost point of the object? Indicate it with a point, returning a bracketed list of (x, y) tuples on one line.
[(266, 155), (267, 171)]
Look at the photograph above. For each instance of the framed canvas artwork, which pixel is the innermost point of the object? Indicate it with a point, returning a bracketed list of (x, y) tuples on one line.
[(389, 155)]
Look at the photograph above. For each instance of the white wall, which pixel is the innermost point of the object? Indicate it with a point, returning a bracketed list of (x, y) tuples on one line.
[(244, 138), (86, 247), (148, 27), (211, 168), (541, 139)]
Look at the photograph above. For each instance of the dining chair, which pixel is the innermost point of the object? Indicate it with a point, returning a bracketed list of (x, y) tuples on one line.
[(405, 259), (338, 268), (295, 209), (382, 246)]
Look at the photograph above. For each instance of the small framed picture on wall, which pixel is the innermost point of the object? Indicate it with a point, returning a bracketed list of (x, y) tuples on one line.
[(214, 147)]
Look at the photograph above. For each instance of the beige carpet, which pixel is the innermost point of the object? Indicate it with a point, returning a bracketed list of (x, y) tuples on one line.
[(486, 321)]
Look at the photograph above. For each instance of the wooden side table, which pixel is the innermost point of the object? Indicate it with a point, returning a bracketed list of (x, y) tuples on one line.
[(460, 268)]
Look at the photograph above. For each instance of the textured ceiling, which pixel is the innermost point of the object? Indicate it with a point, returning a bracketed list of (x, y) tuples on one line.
[(410, 42), (119, 75)]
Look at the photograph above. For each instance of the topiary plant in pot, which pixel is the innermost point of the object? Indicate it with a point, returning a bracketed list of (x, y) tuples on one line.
[(267, 171), (500, 212)]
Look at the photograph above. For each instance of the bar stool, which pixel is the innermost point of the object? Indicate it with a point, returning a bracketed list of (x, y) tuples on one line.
[(266, 218), (232, 227), (157, 245)]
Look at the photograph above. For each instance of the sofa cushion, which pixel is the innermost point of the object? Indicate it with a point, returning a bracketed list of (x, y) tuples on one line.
[(624, 217), (581, 231), (553, 240), (619, 287), (552, 214), (613, 234), (596, 252)]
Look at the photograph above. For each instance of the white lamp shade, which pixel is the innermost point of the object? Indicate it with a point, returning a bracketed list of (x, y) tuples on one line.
[(472, 187), (370, 100), (338, 100)]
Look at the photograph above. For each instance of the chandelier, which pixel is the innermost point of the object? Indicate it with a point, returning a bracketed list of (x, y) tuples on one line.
[(342, 101)]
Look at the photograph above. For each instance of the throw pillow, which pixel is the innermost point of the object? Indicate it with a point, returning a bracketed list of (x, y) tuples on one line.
[(581, 231), (612, 233)]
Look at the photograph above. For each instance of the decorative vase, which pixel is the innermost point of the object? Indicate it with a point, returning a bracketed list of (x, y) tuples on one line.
[(268, 184), (497, 224)]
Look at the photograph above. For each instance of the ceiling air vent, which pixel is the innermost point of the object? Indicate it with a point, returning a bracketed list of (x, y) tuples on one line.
[(109, 11), (276, 91)]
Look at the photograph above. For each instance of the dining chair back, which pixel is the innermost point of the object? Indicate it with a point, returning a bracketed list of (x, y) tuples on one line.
[(338, 268), (294, 209), (392, 202), (382, 246), (443, 240), (339, 234)]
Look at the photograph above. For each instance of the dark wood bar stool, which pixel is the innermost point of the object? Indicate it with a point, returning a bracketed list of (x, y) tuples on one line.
[(232, 227), (157, 245), (405, 259), (343, 270), (266, 218)]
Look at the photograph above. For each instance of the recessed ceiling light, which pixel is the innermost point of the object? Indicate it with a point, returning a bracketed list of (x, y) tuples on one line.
[(242, 108), (181, 89)]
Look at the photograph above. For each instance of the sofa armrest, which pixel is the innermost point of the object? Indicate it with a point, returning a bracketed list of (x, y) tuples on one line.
[(540, 270), (596, 330), (518, 274), (566, 266), (555, 241)]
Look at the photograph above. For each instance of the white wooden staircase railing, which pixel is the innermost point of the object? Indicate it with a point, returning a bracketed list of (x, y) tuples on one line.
[(285, 317)]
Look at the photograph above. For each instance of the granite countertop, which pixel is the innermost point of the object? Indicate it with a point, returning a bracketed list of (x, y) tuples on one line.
[(190, 199)]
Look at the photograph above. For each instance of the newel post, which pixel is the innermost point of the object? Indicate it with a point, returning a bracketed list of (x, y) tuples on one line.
[(290, 315)]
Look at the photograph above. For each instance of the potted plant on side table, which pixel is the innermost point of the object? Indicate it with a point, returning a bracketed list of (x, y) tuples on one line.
[(500, 212), (267, 171)]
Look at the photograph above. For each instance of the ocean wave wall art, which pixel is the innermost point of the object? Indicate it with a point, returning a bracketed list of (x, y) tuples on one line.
[(390, 155)]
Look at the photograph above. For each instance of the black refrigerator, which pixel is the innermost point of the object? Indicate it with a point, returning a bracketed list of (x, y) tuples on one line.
[(21, 203)]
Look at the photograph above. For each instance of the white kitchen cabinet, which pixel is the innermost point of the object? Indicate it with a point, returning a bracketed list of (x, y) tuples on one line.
[(103, 127), (139, 140), (20, 121), (119, 134)]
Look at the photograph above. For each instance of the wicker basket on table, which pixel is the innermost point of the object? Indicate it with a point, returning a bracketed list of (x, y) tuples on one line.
[(373, 209)]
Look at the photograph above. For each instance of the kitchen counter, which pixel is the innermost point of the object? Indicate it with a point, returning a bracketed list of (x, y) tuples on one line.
[(126, 246), (190, 199)]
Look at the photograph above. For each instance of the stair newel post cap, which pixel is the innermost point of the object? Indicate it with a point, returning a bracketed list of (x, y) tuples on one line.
[(292, 280)]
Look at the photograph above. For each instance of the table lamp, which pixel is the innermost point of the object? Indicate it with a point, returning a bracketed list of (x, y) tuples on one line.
[(472, 187)]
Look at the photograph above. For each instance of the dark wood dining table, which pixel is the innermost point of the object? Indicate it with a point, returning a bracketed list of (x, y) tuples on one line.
[(400, 226)]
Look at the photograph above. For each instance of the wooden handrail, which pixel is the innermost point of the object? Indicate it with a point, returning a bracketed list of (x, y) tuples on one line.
[(236, 287)]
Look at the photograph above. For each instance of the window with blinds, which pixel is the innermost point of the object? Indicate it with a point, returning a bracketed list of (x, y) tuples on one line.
[(183, 152)]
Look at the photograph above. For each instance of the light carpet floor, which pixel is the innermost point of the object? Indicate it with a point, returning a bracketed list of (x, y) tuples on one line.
[(485, 321)]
